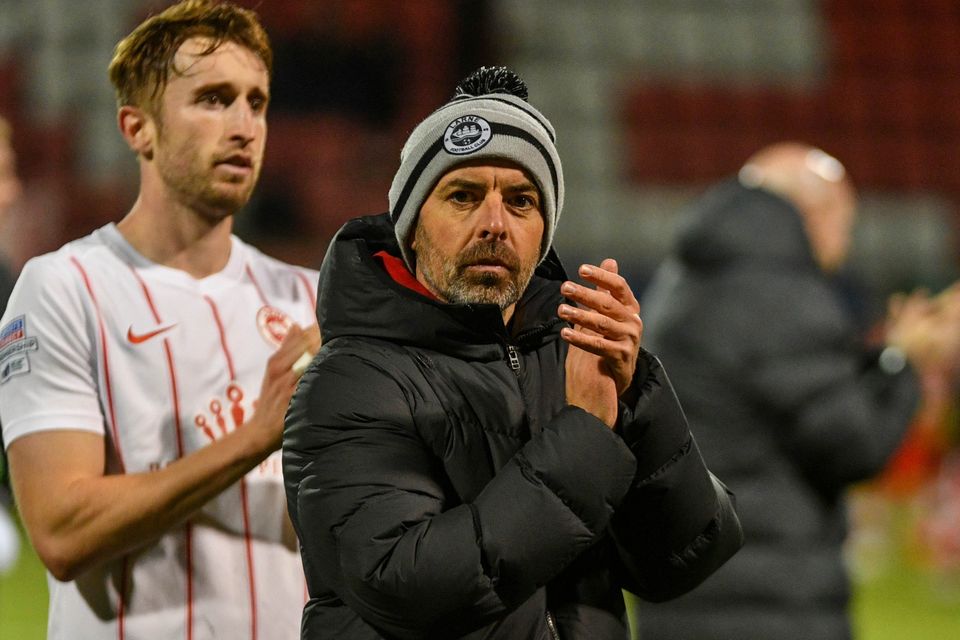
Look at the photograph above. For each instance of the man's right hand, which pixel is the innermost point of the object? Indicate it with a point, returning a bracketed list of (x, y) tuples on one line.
[(926, 329), (279, 382), (78, 517)]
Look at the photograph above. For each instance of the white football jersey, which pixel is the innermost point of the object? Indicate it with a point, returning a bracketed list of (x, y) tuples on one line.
[(98, 338)]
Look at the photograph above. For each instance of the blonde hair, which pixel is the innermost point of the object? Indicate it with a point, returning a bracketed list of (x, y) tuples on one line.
[(142, 61)]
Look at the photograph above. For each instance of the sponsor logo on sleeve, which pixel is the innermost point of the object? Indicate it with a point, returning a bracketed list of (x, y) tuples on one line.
[(14, 367), (14, 345)]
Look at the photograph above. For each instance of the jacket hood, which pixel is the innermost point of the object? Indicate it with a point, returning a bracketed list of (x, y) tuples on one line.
[(358, 298), (733, 223)]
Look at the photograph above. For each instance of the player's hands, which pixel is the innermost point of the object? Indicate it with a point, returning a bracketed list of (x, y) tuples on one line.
[(279, 381), (947, 328), (925, 328), (605, 339)]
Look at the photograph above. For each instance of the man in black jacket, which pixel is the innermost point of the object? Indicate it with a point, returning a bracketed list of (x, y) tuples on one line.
[(789, 406), (482, 449)]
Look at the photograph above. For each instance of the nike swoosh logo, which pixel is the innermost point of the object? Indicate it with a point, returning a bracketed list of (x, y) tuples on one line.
[(137, 338)]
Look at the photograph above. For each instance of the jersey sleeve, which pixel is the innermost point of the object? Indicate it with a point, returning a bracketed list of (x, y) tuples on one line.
[(48, 370)]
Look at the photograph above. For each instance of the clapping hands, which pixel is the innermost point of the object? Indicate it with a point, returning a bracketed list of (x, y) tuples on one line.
[(926, 328), (604, 340)]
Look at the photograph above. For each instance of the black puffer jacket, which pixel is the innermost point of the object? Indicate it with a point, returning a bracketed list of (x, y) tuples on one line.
[(788, 407), (442, 488)]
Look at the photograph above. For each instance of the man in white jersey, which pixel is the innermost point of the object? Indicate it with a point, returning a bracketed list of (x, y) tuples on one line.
[(145, 369)]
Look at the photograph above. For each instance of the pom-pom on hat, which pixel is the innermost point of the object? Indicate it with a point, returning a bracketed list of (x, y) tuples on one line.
[(488, 117)]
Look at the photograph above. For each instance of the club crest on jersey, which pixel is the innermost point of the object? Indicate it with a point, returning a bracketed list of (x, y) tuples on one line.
[(14, 345), (466, 135), (273, 324)]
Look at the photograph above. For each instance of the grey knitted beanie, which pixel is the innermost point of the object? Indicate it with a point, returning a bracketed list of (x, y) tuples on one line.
[(488, 117)]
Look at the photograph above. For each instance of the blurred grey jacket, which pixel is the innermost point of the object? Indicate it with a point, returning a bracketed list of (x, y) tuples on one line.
[(787, 406)]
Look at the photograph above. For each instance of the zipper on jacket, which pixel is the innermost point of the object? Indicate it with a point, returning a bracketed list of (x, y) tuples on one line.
[(514, 358), (552, 626), (536, 332)]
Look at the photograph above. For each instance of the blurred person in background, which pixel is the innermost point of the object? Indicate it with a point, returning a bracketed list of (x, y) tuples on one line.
[(482, 449), (146, 368), (10, 188), (789, 406)]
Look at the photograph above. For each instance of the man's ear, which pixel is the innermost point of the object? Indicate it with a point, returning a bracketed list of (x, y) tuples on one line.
[(138, 129), (412, 235)]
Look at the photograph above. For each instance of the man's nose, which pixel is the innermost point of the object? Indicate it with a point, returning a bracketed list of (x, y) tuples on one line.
[(243, 122), (493, 217)]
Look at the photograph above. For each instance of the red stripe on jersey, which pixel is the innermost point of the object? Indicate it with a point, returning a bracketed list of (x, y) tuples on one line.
[(171, 370), (113, 427), (146, 294), (170, 367), (243, 487), (256, 285), (188, 554), (176, 396), (106, 361), (249, 546), (223, 337), (311, 294)]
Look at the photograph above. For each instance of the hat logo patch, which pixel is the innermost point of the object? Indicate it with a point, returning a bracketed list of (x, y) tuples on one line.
[(466, 135)]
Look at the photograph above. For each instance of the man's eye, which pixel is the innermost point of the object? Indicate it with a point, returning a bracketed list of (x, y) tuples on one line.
[(524, 201), (211, 99), (461, 196), (258, 104)]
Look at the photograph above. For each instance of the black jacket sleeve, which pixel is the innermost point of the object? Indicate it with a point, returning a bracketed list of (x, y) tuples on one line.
[(839, 416), (371, 508), (677, 524)]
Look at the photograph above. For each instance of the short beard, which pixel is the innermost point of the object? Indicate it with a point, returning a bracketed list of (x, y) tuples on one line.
[(453, 282), (193, 182)]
